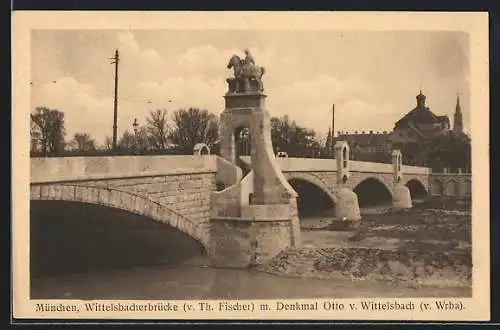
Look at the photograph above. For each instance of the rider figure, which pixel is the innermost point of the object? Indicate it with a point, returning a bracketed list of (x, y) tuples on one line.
[(249, 58)]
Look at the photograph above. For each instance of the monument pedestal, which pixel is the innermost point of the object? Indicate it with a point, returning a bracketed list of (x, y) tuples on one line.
[(255, 219)]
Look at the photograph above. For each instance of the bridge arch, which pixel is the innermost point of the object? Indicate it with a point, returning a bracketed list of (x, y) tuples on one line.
[(417, 189), (316, 195), (373, 192), (453, 188), (437, 187), (121, 200)]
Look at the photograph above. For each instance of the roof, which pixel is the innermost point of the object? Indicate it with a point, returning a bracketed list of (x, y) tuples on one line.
[(419, 115), (369, 139), (444, 119)]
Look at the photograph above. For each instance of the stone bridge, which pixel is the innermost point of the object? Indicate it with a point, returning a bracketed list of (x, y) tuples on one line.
[(322, 173), (171, 189), (177, 190)]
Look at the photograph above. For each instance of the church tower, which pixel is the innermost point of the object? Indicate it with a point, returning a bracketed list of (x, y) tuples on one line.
[(457, 118), (421, 100)]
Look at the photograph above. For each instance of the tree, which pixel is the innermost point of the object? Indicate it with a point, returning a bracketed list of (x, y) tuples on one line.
[(295, 140), (145, 141), (108, 143), (48, 129), (82, 142), (157, 129), (329, 143), (452, 151), (35, 137), (194, 126), (126, 141)]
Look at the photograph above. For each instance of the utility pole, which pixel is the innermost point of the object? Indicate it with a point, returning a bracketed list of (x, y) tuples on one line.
[(115, 61), (332, 144)]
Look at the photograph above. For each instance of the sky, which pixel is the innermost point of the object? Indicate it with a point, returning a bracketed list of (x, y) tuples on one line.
[(372, 77)]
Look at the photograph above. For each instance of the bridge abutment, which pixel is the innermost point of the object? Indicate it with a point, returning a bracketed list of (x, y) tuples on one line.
[(256, 218)]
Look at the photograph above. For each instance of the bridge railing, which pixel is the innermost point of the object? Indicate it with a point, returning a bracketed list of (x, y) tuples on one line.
[(63, 169), (291, 164)]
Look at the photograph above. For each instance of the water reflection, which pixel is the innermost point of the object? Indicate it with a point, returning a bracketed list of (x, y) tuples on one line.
[(193, 282), (90, 252)]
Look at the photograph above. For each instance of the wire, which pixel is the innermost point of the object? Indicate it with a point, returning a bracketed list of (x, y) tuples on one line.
[(121, 96)]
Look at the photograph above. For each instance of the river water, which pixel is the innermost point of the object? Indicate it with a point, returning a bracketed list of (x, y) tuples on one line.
[(86, 252), (192, 282)]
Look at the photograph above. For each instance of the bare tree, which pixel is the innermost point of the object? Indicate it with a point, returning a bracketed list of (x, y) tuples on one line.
[(108, 143), (145, 141), (48, 129), (82, 142), (126, 141), (35, 137), (194, 126), (157, 129)]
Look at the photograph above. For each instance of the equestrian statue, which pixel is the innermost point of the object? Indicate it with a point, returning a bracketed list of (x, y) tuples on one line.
[(247, 75)]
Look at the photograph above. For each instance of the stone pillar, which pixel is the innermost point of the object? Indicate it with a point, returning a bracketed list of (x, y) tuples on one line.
[(401, 198), (347, 206), (264, 218)]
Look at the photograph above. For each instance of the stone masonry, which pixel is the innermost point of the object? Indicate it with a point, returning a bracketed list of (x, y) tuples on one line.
[(182, 186)]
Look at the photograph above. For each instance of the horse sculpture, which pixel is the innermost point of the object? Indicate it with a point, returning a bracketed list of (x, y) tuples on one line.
[(244, 74)]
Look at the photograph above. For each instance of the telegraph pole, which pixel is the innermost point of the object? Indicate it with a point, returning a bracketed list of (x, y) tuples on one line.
[(332, 144), (115, 61)]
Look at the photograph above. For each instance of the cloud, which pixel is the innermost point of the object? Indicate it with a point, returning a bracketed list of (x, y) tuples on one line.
[(448, 55), (136, 63), (83, 109), (192, 91), (202, 60), (297, 83), (207, 60), (309, 102)]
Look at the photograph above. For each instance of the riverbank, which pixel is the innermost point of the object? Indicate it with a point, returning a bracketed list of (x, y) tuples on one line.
[(419, 247), (412, 268)]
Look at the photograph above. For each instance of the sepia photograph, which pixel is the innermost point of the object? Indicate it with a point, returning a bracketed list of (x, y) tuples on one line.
[(282, 169)]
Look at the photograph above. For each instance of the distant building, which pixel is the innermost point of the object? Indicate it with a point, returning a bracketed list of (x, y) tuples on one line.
[(374, 146), (419, 124), (410, 133), (458, 125)]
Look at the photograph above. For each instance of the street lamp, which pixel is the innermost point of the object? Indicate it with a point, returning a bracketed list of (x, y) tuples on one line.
[(136, 126)]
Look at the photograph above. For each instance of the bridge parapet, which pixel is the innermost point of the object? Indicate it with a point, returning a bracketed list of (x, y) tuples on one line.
[(72, 169), (292, 164), (450, 184)]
